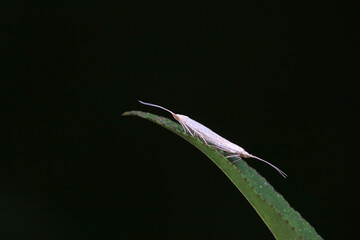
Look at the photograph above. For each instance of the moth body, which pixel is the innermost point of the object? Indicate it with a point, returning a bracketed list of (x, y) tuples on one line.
[(211, 138)]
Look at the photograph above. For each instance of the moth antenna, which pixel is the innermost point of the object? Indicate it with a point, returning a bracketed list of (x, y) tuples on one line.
[(277, 169), (154, 105)]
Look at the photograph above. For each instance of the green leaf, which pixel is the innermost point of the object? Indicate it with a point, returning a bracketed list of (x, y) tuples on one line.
[(282, 220)]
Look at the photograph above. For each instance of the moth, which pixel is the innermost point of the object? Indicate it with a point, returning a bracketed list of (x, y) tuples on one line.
[(213, 139)]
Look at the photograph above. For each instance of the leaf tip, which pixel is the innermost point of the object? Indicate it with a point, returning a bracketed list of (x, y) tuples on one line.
[(127, 113)]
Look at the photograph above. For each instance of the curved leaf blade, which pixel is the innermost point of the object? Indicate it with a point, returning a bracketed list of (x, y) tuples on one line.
[(281, 219)]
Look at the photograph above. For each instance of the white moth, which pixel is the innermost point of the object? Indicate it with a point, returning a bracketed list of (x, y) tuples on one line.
[(211, 138)]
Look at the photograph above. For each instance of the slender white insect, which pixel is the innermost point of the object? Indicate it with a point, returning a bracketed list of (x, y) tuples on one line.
[(215, 140)]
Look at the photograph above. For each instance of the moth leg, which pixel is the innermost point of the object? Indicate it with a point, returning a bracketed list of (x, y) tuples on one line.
[(213, 146), (186, 129), (237, 156), (197, 133), (201, 136)]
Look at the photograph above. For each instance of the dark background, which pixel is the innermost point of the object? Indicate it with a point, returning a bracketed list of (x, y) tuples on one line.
[(275, 78)]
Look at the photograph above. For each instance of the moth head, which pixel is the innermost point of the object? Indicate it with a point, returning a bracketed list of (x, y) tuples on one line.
[(176, 116), (180, 117)]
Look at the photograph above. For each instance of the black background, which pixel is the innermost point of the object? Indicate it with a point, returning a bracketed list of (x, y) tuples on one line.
[(275, 78)]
